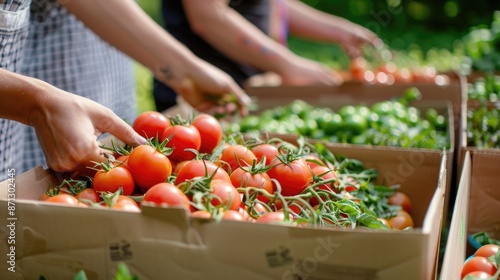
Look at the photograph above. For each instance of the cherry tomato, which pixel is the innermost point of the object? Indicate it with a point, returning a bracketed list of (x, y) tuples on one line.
[(226, 194), (183, 137), (267, 150), (150, 124), (236, 155), (201, 214), (88, 194), (324, 173), (401, 221), (241, 178), (272, 217), (401, 199), (478, 264), (126, 203), (232, 215), (293, 177), (313, 161), (63, 198), (478, 275), (122, 161), (487, 250), (200, 168), (210, 132), (168, 195), (148, 166), (111, 180)]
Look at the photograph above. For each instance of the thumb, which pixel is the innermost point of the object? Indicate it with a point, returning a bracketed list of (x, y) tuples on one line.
[(123, 131)]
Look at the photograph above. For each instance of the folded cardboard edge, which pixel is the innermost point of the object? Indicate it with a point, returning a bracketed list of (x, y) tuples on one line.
[(454, 255)]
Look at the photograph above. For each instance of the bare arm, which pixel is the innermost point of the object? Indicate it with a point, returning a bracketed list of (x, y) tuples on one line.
[(245, 43), (126, 26), (67, 125), (309, 23)]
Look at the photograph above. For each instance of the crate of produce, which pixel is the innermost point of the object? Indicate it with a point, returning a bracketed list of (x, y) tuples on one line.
[(57, 241), (475, 220)]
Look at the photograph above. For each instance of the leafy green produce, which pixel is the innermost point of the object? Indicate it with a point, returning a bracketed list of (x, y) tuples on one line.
[(483, 114), (387, 123), (482, 46)]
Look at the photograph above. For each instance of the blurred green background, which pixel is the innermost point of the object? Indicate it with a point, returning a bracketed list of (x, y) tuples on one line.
[(429, 31)]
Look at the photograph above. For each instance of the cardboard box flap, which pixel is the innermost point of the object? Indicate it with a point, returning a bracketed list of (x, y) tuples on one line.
[(30, 184), (485, 193), (454, 256)]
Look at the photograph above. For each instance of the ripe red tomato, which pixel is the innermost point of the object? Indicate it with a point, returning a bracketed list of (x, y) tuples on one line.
[(201, 214), (478, 275), (358, 67), (148, 166), (478, 264), (150, 124), (88, 194), (63, 198), (401, 221), (401, 199), (183, 137), (226, 194), (312, 161), (324, 173), (111, 180), (487, 250), (272, 217), (233, 215), (236, 155), (241, 178), (200, 168), (293, 177), (126, 203), (122, 161), (210, 132), (168, 195), (267, 150)]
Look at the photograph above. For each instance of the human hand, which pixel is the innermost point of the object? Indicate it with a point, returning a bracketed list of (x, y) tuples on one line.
[(302, 71), (210, 90), (353, 36), (68, 125)]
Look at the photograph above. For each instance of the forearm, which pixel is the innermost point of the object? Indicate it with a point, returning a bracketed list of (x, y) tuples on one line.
[(308, 23), (240, 40), (123, 24), (20, 96)]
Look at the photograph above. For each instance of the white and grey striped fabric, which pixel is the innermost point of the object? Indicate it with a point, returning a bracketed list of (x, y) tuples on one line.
[(60, 50), (14, 22)]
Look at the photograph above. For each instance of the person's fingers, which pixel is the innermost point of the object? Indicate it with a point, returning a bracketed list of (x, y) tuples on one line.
[(120, 129)]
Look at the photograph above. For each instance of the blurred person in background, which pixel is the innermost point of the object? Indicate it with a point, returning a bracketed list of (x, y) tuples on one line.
[(59, 43), (246, 38)]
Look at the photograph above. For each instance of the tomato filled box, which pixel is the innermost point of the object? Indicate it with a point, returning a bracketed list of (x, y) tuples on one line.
[(57, 241), (475, 211)]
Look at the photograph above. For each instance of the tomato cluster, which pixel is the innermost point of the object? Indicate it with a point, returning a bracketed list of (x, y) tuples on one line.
[(483, 264), (230, 177)]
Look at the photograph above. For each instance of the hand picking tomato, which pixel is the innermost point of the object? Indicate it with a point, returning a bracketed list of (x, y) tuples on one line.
[(148, 166), (182, 137), (151, 124), (166, 194), (110, 180), (210, 132)]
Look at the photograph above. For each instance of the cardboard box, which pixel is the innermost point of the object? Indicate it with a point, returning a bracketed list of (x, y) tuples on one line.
[(476, 208), (448, 100), (57, 241)]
